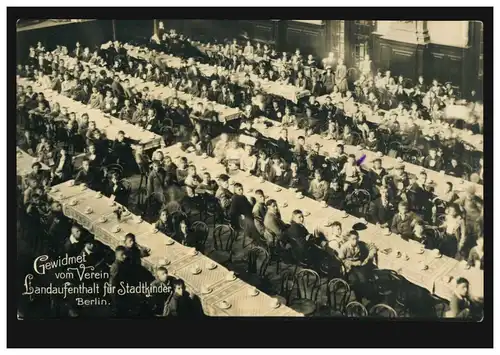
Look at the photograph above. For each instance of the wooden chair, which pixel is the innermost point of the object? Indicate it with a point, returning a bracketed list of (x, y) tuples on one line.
[(382, 310), (338, 293), (115, 168), (360, 200), (308, 284), (287, 286), (224, 237), (128, 188), (386, 285), (356, 138), (153, 205), (257, 264), (355, 309), (467, 171), (412, 155), (212, 210), (202, 231)]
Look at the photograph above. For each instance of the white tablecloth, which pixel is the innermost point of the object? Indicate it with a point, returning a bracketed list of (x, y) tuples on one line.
[(289, 92), (433, 279), (107, 125), (428, 128), (178, 258), (329, 146)]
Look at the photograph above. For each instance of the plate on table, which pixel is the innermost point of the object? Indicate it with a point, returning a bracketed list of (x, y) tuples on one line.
[(277, 189), (212, 266), (275, 303), (168, 241), (307, 213), (252, 292), (345, 215), (206, 290), (196, 270), (224, 305)]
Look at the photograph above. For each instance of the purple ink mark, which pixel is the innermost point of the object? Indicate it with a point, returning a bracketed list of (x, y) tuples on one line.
[(361, 160)]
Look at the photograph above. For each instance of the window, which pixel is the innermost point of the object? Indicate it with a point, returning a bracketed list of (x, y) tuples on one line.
[(338, 34), (362, 32)]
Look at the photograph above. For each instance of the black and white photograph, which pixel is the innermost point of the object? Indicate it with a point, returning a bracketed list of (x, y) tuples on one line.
[(192, 169)]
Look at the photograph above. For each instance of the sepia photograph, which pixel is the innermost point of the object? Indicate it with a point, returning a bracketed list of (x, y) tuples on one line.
[(191, 169)]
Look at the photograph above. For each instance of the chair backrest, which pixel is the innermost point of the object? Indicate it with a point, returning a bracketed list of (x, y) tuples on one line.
[(115, 167), (413, 155), (288, 284), (361, 197), (382, 310), (356, 138), (224, 237), (338, 293), (173, 220), (201, 230), (333, 266), (258, 261), (386, 281), (355, 309), (308, 284), (270, 236)]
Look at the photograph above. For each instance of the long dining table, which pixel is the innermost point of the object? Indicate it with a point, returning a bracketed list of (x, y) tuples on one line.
[(210, 281), (159, 92), (328, 146), (289, 92), (419, 266), (293, 93), (428, 128), (108, 125)]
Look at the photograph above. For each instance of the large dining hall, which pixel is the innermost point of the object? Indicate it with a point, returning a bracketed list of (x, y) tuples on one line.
[(249, 168)]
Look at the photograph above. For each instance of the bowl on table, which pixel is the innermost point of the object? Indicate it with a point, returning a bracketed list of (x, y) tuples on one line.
[(230, 276), (306, 213), (224, 305), (212, 265), (116, 229), (73, 202), (71, 183), (169, 241), (196, 270), (165, 262), (204, 156), (277, 189), (284, 204), (111, 203), (253, 291), (83, 187), (193, 252), (436, 253), (138, 220), (345, 214), (299, 195), (98, 194), (206, 290), (262, 180), (103, 219), (88, 210), (275, 303)]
